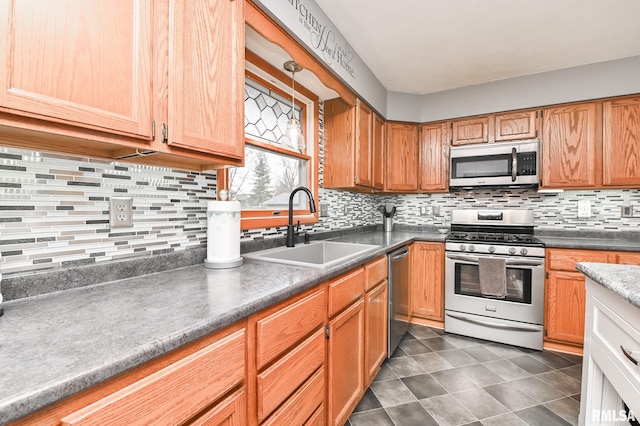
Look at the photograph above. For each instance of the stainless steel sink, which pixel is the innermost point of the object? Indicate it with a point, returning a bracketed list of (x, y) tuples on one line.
[(318, 254)]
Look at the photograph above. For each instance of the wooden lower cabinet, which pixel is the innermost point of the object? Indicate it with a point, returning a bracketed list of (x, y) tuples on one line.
[(565, 291), (345, 361), (427, 281), (376, 318), (290, 359)]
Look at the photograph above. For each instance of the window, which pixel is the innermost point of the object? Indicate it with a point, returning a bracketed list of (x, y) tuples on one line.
[(273, 169)]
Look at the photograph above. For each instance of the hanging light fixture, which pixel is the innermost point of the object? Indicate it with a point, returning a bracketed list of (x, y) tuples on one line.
[(293, 134)]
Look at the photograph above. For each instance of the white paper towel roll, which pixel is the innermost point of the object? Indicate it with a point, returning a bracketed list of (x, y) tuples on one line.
[(223, 234)]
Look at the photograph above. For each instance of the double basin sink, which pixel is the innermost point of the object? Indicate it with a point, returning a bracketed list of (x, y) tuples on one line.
[(318, 254)]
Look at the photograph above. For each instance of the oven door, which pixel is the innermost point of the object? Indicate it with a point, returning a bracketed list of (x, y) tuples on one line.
[(525, 288)]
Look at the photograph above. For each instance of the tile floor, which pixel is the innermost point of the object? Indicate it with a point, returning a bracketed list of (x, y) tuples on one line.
[(435, 378)]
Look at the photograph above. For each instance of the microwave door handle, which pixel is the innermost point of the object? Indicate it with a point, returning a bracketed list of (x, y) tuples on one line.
[(514, 164)]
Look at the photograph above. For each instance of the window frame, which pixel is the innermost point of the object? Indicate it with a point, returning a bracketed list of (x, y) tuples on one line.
[(263, 218)]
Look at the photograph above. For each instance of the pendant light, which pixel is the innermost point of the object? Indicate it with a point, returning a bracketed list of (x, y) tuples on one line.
[(293, 134)]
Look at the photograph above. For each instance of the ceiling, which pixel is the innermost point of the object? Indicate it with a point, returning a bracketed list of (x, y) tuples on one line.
[(426, 46)]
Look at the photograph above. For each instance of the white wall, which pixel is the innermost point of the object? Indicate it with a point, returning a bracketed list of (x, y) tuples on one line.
[(612, 78)]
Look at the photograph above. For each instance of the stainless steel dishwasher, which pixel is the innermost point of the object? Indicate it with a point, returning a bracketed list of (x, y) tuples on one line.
[(398, 297)]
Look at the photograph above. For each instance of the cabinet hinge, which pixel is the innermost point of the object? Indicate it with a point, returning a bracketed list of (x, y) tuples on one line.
[(153, 130), (545, 333), (327, 331), (356, 103), (546, 275), (355, 180), (165, 133)]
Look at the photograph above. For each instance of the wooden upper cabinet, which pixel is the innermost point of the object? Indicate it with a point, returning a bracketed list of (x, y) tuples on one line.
[(569, 146), (85, 63), (364, 144), (471, 130), (434, 157), (515, 125), (402, 157), (377, 154), (206, 76), (621, 142), (353, 138)]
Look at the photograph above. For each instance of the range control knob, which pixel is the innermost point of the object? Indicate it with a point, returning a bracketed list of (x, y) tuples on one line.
[(463, 247), (492, 249), (524, 251), (472, 247), (512, 250)]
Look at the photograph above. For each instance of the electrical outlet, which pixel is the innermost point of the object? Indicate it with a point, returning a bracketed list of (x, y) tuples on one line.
[(424, 210), (121, 212), (324, 210), (627, 211), (584, 208)]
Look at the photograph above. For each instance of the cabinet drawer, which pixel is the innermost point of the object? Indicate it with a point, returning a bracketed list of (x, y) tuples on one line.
[(344, 290), (282, 329), (614, 325), (375, 272), (318, 418), (175, 393), (230, 411), (628, 258), (281, 379), (565, 260), (302, 405)]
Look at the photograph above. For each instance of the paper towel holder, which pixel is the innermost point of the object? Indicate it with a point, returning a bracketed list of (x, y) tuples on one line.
[(228, 211)]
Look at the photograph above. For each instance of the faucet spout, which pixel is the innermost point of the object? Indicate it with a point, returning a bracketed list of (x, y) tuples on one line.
[(312, 207)]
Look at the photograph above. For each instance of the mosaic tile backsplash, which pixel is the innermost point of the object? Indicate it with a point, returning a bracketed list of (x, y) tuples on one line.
[(54, 210)]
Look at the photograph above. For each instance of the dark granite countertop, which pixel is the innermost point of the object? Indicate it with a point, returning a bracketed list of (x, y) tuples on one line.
[(54, 345), (591, 240), (623, 280)]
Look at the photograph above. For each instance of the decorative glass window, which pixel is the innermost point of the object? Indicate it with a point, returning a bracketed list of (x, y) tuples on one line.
[(272, 168)]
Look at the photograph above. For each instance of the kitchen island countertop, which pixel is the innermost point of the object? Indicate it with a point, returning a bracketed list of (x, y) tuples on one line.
[(56, 344), (624, 280)]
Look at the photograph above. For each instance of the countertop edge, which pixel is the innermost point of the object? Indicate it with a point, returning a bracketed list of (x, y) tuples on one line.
[(624, 280)]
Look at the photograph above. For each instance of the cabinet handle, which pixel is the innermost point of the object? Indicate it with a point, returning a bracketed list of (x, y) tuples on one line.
[(629, 356)]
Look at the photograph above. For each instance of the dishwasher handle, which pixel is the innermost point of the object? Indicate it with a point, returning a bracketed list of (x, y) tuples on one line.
[(398, 255)]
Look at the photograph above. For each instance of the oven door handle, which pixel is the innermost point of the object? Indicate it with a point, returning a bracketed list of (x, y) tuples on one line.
[(509, 263), (493, 324)]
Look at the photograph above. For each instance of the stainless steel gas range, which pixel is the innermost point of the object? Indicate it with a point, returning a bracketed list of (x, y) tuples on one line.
[(494, 277)]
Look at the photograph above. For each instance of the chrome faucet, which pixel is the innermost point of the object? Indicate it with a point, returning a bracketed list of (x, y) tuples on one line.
[(291, 242)]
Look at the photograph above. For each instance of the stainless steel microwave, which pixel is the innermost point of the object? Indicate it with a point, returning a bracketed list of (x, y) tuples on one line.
[(501, 164)]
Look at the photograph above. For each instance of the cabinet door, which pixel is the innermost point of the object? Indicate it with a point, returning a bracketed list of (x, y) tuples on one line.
[(515, 125), (84, 63), (434, 157), (427, 281), (621, 142), (339, 140), (565, 305), (363, 154), (402, 157), (472, 130), (377, 154), (230, 412), (376, 311), (346, 363), (569, 146), (206, 76)]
